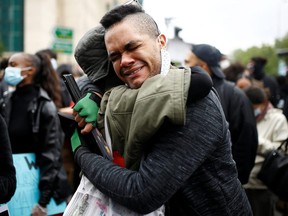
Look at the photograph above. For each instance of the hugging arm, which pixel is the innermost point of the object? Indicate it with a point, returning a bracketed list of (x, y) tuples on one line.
[(170, 162)]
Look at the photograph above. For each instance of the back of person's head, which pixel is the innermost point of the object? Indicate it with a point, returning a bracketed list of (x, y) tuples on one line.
[(244, 82), (64, 69), (256, 95), (260, 101), (134, 14), (51, 55), (234, 71), (211, 56), (92, 57)]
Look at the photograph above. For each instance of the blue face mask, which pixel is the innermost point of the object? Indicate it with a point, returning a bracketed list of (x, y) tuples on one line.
[(13, 75), (257, 112)]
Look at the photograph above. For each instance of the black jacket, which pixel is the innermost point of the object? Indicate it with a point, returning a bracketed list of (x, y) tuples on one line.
[(7, 169), (242, 125), (48, 142)]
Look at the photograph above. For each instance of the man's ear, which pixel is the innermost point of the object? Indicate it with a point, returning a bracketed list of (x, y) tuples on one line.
[(205, 67), (162, 40)]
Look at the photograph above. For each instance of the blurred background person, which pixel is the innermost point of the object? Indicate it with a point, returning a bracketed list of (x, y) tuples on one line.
[(64, 107), (272, 130), (3, 85), (257, 72), (283, 102), (51, 55), (7, 169), (244, 82), (65, 96), (234, 71), (237, 108), (33, 124), (77, 71)]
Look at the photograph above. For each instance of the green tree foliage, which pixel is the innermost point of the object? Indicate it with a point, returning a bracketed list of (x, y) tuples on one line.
[(282, 44), (267, 51)]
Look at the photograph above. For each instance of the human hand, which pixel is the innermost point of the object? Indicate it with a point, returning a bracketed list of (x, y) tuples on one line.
[(86, 110), (39, 210)]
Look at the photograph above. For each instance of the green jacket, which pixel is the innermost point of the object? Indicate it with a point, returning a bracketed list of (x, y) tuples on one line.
[(134, 115)]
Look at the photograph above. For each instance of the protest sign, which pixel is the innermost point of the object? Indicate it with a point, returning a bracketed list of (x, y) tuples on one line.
[(27, 192)]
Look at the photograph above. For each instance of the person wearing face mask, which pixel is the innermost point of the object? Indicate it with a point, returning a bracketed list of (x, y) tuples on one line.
[(256, 69), (33, 124), (272, 129)]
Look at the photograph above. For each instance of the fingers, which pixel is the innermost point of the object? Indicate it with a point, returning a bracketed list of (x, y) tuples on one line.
[(74, 112), (81, 121), (88, 128)]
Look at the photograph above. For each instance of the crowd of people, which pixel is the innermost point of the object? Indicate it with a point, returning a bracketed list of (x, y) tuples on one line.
[(184, 140)]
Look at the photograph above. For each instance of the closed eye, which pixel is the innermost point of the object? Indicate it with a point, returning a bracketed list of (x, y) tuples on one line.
[(129, 47), (114, 56), (132, 45)]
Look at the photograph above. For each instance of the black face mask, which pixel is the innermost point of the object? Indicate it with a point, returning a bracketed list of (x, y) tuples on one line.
[(258, 72)]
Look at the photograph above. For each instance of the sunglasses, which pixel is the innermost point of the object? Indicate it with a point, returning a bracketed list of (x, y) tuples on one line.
[(133, 2)]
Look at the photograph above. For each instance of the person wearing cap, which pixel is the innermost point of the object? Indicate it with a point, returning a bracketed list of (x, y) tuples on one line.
[(236, 106), (189, 167)]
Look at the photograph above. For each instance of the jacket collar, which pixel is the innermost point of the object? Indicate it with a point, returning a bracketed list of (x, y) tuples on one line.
[(43, 94)]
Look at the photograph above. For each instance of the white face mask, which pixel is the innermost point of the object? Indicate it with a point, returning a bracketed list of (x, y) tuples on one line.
[(257, 112), (54, 63), (13, 75), (165, 61)]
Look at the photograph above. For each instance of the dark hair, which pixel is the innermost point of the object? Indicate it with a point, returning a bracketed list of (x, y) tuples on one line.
[(49, 52), (234, 71), (4, 63), (135, 14), (256, 95), (46, 76)]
